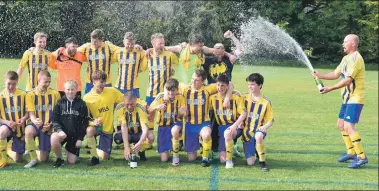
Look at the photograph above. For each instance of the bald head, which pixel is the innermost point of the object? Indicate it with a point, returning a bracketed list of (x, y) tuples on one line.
[(353, 38), (350, 43)]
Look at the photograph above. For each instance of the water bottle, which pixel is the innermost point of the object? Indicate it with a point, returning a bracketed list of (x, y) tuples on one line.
[(320, 85), (133, 161)]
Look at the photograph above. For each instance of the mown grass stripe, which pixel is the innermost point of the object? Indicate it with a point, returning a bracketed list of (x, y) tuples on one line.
[(214, 176), (196, 178)]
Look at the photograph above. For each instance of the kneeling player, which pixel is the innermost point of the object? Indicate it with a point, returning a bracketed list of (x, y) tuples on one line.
[(70, 122), (133, 118), (39, 104), (259, 119), (171, 108), (226, 118), (13, 117), (101, 102)]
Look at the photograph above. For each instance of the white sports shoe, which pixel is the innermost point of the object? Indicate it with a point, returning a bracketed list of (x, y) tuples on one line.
[(31, 164), (229, 164), (175, 161)]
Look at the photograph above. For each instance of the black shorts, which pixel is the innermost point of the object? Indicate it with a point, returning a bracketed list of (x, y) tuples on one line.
[(79, 93), (70, 145)]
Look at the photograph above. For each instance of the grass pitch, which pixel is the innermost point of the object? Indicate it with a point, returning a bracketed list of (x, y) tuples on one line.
[(302, 146)]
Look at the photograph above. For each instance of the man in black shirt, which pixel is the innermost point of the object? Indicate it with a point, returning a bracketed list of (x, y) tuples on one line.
[(221, 63)]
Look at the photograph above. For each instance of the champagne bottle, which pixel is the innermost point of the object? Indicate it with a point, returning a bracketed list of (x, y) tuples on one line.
[(133, 161), (319, 84)]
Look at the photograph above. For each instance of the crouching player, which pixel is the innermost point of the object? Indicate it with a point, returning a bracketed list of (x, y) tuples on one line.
[(227, 118), (133, 119), (101, 102), (70, 120), (171, 108), (12, 119), (259, 119), (39, 103)]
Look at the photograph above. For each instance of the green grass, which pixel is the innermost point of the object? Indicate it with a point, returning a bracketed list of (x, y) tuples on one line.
[(302, 146)]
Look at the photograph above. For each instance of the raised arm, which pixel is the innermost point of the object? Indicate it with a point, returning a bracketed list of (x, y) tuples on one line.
[(238, 51)]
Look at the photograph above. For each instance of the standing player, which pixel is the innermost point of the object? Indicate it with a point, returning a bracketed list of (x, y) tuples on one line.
[(159, 64), (352, 71), (99, 56), (12, 119), (227, 118), (36, 59), (197, 123), (101, 102), (130, 60), (259, 119), (39, 104), (217, 64), (68, 65), (171, 108), (70, 122), (133, 119)]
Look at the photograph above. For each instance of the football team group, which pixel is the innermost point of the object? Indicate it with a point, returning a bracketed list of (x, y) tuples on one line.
[(194, 106)]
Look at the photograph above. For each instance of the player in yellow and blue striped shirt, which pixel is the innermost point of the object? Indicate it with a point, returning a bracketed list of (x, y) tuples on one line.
[(352, 71), (228, 119), (130, 60), (99, 56), (160, 66), (12, 119), (259, 119), (35, 59), (133, 119), (39, 104), (170, 107), (198, 122)]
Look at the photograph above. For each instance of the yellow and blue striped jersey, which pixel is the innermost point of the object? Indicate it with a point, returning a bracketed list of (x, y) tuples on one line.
[(12, 108), (258, 114), (171, 114), (129, 67), (35, 63), (353, 65), (42, 104), (98, 59), (229, 115), (103, 105), (134, 119), (159, 71), (198, 102)]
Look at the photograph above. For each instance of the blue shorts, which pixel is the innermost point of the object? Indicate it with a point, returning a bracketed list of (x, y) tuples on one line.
[(221, 130), (350, 112), (89, 87), (105, 143), (18, 145), (165, 136), (44, 139), (192, 133), (135, 91), (149, 99), (133, 137)]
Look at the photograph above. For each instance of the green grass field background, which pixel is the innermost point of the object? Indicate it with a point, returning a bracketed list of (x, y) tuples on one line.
[(302, 146)]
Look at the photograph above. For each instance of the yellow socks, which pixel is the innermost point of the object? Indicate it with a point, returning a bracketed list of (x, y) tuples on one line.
[(229, 146), (175, 146), (30, 146), (348, 143), (356, 139), (261, 152), (91, 142), (3, 149), (207, 145), (146, 145)]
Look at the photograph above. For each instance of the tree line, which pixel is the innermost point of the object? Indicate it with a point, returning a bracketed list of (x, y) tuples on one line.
[(319, 26)]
